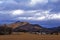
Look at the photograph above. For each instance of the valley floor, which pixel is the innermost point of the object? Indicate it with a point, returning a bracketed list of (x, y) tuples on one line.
[(28, 36)]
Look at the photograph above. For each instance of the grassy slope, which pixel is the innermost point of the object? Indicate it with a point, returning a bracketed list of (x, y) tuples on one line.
[(28, 36)]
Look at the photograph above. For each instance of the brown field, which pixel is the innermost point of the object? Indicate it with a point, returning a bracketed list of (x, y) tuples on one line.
[(28, 36)]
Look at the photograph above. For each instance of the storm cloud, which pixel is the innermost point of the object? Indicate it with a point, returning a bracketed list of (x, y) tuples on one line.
[(44, 11)]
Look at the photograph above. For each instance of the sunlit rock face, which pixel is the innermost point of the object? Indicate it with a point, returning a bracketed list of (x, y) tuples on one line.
[(24, 26), (17, 24)]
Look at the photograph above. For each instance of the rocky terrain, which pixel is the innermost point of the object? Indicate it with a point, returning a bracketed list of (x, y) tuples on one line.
[(28, 27)]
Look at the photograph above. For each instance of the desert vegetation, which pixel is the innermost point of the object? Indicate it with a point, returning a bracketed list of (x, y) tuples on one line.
[(28, 36), (5, 30)]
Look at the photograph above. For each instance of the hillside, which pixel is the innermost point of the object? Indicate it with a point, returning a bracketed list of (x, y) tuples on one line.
[(28, 27)]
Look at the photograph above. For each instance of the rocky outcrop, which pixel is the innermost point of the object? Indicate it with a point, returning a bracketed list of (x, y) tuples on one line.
[(27, 27), (17, 26)]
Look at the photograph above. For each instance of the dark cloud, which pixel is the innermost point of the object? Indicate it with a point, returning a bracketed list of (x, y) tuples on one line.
[(23, 4), (6, 5)]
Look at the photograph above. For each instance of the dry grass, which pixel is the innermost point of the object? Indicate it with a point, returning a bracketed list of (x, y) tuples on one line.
[(28, 36)]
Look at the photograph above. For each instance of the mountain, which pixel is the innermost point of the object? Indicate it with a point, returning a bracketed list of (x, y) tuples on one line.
[(26, 26), (56, 28), (17, 26)]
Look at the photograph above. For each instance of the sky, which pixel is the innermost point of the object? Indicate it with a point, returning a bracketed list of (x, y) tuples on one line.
[(43, 12)]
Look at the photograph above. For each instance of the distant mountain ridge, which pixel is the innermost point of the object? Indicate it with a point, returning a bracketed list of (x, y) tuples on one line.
[(25, 26)]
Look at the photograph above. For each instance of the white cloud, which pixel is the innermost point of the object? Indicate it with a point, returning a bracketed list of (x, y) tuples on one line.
[(32, 15), (17, 12), (32, 11), (41, 2), (42, 15), (8, 2), (5, 12), (54, 16), (31, 18), (34, 2), (35, 15), (1, 2), (47, 11), (41, 18)]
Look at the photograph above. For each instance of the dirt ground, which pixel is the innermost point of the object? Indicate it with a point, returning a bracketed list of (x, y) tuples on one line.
[(28, 36)]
